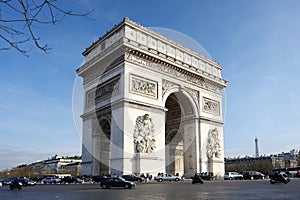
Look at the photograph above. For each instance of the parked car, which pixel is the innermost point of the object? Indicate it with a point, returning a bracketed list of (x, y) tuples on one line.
[(5, 181), (233, 176), (116, 182), (0, 184), (71, 179), (132, 178), (51, 180), (250, 175), (167, 177)]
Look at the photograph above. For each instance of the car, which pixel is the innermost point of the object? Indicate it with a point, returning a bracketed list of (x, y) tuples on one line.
[(250, 175), (51, 180), (116, 182), (98, 179), (71, 179), (132, 178), (27, 181), (206, 176), (5, 181), (233, 176), (297, 174), (167, 177), (0, 184)]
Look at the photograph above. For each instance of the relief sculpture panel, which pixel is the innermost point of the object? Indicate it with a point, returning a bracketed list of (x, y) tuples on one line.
[(143, 86), (143, 137), (211, 106), (213, 144)]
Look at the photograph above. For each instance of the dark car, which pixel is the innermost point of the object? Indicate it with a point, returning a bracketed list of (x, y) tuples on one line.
[(206, 176), (5, 181), (297, 174), (71, 179), (116, 182), (251, 175), (133, 178), (98, 179), (27, 182)]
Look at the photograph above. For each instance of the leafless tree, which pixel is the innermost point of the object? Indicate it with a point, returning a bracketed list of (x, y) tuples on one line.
[(20, 18)]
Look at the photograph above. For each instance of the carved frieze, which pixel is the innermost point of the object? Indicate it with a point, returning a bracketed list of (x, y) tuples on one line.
[(143, 136), (107, 89), (143, 86), (212, 87), (213, 147), (211, 106), (175, 72)]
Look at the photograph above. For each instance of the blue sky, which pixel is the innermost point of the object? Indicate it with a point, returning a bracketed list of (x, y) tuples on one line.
[(256, 42)]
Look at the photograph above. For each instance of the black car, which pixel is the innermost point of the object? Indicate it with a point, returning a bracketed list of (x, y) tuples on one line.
[(206, 176), (116, 182), (251, 175), (98, 179), (133, 178), (5, 181), (70, 179)]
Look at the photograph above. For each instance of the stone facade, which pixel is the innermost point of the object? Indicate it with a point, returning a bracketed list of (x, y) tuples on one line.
[(151, 105), (266, 163)]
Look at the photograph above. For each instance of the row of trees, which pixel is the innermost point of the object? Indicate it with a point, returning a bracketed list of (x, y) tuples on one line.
[(264, 166)]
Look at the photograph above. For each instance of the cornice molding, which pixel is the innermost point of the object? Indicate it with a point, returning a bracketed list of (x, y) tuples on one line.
[(131, 33)]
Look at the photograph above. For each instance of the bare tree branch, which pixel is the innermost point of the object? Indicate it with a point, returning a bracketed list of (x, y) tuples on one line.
[(19, 30)]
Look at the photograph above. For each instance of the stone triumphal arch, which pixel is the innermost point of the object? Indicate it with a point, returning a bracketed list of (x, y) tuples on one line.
[(151, 105)]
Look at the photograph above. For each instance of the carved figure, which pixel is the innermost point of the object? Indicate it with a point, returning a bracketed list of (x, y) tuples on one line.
[(213, 144), (143, 137)]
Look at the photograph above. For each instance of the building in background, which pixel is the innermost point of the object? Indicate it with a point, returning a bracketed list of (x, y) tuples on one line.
[(264, 163), (70, 165)]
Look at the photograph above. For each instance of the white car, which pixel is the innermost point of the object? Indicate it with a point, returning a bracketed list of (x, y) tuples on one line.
[(51, 180), (233, 176), (0, 184), (166, 177)]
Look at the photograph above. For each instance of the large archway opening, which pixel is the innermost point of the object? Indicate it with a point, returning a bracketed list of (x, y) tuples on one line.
[(177, 135), (105, 135)]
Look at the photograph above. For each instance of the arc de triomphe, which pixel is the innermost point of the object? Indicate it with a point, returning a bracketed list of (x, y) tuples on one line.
[(151, 105)]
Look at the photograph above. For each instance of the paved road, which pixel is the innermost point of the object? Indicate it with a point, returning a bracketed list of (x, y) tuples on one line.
[(232, 190)]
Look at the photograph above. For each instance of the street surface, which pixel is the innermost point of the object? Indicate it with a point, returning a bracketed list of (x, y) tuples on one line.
[(237, 189)]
